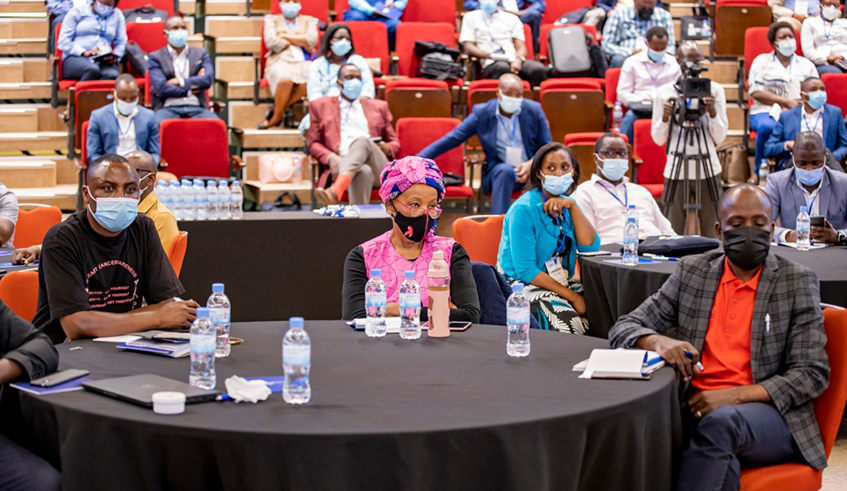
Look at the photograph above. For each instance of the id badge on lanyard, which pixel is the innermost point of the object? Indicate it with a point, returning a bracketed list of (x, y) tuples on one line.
[(556, 270)]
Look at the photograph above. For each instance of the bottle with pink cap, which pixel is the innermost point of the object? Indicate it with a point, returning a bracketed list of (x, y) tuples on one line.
[(439, 296)]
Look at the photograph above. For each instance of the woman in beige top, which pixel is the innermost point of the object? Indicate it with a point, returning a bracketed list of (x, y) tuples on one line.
[(291, 39)]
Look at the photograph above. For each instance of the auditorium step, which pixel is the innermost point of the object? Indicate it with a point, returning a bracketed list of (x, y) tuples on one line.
[(237, 45), (679, 10), (32, 142), (241, 90), (233, 26), (722, 72), (62, 196), (243, 114), (188, 7), (17, 70), (252, 139), (22, 6), (29, 91), (235, 68), (229, 7), (66, 172), (23, 28), (23, 46), (28, 173), (24, 118)]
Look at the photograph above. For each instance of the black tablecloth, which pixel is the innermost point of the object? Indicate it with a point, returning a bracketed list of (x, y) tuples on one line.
[(612, 290), (386, 414), (271, 262)]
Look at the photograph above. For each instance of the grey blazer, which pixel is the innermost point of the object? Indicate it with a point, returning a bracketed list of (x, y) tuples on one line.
[(787, 198), (788, 360)]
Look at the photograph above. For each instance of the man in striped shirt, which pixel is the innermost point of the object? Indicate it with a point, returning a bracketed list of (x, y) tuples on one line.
[(626, 29)]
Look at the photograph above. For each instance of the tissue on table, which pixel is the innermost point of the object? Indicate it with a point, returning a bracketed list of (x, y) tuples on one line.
[(241, 390)]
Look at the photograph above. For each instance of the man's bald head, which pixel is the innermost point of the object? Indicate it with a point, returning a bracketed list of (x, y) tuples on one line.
[(175, 22), (510, 85), (809, 140), (689, 51), (744, 205), (146, 167)]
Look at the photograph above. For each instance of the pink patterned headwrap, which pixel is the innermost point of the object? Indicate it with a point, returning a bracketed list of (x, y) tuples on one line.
[(399, 175)]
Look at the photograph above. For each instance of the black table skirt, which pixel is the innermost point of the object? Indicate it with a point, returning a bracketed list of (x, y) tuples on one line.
[(271, 263), (612, 290), (386, 414)]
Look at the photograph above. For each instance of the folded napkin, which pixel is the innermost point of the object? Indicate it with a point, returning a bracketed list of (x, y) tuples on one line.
[(240, 389)]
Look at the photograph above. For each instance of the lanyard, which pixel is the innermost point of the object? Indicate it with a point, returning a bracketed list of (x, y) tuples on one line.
[(561, 241), (182, 71), (326, 75), (103, 23), (656, 78), (491, 35), (812, 204), (825, 32), (806, 121), (345, 115), (292, 26), (123, 134), (624, 203), (502, 120)]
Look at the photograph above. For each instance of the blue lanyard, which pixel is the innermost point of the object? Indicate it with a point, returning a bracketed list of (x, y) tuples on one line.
[(825, 32), (122, 133), (790, 63), (656, 78), (326, 76), (289, 24), (560, 248), (806, 121), (491, 35), (812, 204), (624, 203), (103, 24), (345, 115), (502, 121)]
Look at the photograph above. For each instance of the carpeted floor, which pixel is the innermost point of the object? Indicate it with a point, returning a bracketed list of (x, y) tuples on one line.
[(835, 476)]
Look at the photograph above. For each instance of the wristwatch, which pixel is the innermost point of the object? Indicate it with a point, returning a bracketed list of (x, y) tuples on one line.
[(842, 238)]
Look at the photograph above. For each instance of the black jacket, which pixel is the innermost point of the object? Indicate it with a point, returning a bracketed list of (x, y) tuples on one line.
[(23, 344)]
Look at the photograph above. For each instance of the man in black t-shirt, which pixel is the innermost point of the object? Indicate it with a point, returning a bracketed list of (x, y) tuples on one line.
[(98, 265)]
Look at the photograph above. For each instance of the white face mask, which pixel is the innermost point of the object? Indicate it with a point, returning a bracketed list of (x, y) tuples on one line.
[(830, 12)]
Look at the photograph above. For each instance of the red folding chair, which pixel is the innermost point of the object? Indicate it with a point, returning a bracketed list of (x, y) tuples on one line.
[(430, 11), (582, 145), (409, 32), (555, 9), (83, 98), (415, 134), (563, 98), (147, 35), (652, 156), (418, 97), (166, 5), (732, 18), (316, 8), (195, 147), (83, 150), (836, 90)]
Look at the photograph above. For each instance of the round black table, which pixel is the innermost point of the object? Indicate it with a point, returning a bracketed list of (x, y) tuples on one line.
[(612, 290), (385, 414)]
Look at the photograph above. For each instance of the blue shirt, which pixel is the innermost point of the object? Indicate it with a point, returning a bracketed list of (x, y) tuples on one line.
[(367, 6), (509, 135), (59, 7), (624, 28), (814, 6), (83, 30), (531, 237)]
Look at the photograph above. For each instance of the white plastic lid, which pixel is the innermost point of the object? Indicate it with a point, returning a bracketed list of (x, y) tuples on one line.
[(168, 403)]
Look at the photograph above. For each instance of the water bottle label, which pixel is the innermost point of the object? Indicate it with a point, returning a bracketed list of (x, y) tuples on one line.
[(410, 301), (375, 300), (296, 355), (517, 316), (220, 315), (202, 344)]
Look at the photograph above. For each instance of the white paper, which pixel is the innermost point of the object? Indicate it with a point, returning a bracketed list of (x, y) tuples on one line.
[(126, 338), (775, 111), (615, 363), (793, 245), (513, 156), (392, 324), (510, 5), (801, 7)]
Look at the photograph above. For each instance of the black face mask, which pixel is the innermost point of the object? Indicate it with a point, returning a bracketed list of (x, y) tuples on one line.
[(747, 247), (414, 228), (644, 13)]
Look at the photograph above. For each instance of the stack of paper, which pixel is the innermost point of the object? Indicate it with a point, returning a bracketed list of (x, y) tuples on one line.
[(173, 350), (619, 363)]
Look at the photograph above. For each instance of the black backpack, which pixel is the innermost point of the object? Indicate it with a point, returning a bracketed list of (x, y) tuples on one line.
[(136, 57), (438, 61), (145, 14)]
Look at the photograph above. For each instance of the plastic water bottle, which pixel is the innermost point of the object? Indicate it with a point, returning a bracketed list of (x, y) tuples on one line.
[(804, 230), (617, 116), (764, 172), (410, 307), (632, 212), (202, 339), (375, 302), (176, 199), (189, 204), (213, 210), (221, 309), (517, 322), (297, 167), (236, 200), (163, 192), (706, 31), (223, 197), (200, 199), (630, 242), (296, 363)]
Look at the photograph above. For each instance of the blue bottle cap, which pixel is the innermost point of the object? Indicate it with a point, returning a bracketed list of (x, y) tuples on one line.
[(631, 207), (236, 183), (163, 182), (517, 287), (198, 182), (202, 312), (217, 287), (211, 182), (223, 182), (174, 182), (186, 181), (803, 209), (409, 275), (296, 322), (375, 273)]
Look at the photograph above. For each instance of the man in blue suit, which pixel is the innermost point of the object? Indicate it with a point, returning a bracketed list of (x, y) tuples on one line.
[(811, 184), (814, 115), (180, 76), (123, 126), (511, 130), (529, 12)]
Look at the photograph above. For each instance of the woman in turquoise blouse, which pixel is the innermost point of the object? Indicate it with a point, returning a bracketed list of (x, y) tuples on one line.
[(542, 232)]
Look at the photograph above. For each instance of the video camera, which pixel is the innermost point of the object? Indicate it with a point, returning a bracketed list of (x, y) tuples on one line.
[(692, 87)]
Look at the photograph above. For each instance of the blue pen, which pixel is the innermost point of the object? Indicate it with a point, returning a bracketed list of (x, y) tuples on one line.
[(690, 357), (224, 397), (660, 257)]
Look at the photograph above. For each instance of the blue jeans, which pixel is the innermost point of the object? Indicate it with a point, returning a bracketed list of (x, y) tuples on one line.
[(617, 61), (825, 68), (51, 36), (629, 119), (391, 24), (763, 124), (732, 437), (500, 182), (183, 112), (82, 68), (20, 470), (533, 20)]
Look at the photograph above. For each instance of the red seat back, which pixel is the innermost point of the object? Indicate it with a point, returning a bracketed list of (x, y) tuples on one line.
[(32, 225), (588, 138), (370, 39), (83, 138), (176, 251), (56, 51), (836, 90), (555, 9), (572, 84), (430, 11), (149, 36), (756, 43), (612, 77), (415, 83), (166, 5), (652, 156), (82, 111), (480, 236), (415, 134), (316, 8), (527, 40), (409, 32), (195, 147), (19, 291)]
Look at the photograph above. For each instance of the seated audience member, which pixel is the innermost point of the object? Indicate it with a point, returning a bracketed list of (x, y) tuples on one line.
[(90, 30), (794, 12), (496, 38), (609, 193), (641, 77), (529, 12), (411, 189), (149, 206), (824, 38), (290, 39), (342, 135), (775, 85), (625, 32), (716, 124), (808, 182), (123, 126), (25, 354), (337, 49), (180, 76), (59, 8), (8, 216), (813, 115), (542, 233), (750, 405), (364, 10), (597, 15), (99, 264), (511, 129)]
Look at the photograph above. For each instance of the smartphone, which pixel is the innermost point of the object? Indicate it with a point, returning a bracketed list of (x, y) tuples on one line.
[(595, 253), (376, 139), (817, 221), (57, 378)]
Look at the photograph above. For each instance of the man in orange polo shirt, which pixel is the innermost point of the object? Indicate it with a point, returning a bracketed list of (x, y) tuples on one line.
[(748, 340)]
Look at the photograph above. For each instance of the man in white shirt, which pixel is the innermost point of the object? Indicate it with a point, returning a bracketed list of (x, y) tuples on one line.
[(8, 216), (641, 76), (122, 126), (353, 136), (609, 193), (714, 121), (824, 38), (793, 12), (496, 37)]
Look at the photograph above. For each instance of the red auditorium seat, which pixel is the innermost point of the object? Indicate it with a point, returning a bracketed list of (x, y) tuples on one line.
[(418, 97), (83, 98), (836, 90), (563, 98), (195, 147), (430, 11), (409, 32), (582, 145), (555, 9), (652, 156), (147, 35)]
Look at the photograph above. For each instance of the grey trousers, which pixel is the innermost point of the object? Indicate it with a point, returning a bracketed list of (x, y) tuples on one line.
[(708, 213), (365, 160)]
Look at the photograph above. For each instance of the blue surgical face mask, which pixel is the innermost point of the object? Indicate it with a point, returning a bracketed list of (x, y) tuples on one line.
[(290, 10), (103, 10), (786, 47), (125, 108), (614, 169), (114, 214), (352, 88), (817, 99), (557, 185), (809, 177), (656, 56), (488, 6), (510, 105), (341, 46), (177, 38)]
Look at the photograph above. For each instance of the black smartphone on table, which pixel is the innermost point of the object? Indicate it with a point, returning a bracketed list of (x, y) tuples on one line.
[(57, 378)]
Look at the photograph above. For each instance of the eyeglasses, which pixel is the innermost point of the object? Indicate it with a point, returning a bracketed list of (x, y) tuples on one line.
[(613, 155), (434, 211)]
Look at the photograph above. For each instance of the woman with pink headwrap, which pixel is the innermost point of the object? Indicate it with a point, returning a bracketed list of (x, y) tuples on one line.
[(411, 189)]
